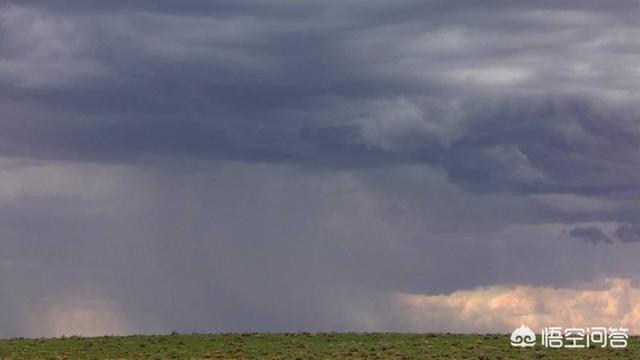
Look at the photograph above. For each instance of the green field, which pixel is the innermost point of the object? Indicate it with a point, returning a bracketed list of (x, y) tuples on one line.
[(297, 346)]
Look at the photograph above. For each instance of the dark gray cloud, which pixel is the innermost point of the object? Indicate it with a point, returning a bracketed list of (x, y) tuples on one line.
[(628, 233), (590, 234), (278, 165), (499, 106)]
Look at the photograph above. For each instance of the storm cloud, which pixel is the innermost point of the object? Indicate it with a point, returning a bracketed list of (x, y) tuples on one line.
[(628, 232), (294, 165), (590, 234)]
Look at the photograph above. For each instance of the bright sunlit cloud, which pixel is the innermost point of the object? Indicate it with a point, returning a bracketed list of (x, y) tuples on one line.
[(610, 303)]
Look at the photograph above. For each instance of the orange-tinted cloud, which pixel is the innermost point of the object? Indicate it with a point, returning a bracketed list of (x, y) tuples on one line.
[(86, 317), (613, 302)]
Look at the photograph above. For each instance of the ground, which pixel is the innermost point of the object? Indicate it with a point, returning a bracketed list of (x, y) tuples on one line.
[(297, 346)]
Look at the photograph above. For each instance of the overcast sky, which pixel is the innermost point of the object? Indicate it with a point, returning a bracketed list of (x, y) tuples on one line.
[(321, 166)]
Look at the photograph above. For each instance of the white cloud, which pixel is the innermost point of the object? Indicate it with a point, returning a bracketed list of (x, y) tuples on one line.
[(612, 302), (401, 124), (497, 76)]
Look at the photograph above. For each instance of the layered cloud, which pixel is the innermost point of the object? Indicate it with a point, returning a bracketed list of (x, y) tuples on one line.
[(498, 106), (289, 165)]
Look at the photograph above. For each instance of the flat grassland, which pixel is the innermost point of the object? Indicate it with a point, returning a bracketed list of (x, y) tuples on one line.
[(298, 346)]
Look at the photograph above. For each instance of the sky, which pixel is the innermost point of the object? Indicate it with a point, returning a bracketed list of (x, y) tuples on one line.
[(282, 165)]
